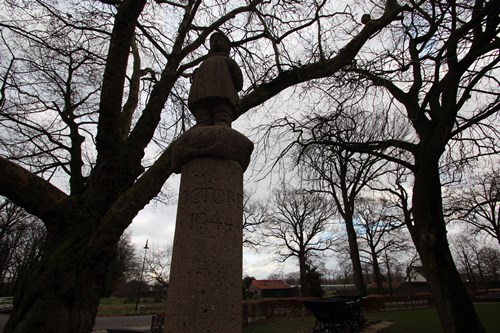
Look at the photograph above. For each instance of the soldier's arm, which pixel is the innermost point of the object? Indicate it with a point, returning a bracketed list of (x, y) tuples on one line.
[(236, 74)]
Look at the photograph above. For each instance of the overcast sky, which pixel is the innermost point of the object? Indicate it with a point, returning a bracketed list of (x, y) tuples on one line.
[(156, 222)]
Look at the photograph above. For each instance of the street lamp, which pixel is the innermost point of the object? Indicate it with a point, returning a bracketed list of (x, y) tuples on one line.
[(140, 280)]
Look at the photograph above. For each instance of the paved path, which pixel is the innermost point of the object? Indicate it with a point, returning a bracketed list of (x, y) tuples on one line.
[(3, 320), (375, 327), (144, 323), (138, 322)]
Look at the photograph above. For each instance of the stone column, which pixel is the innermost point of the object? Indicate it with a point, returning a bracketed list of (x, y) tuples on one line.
[(204, 293)]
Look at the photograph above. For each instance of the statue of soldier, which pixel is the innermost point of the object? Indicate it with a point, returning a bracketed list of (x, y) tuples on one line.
[(213, 98)]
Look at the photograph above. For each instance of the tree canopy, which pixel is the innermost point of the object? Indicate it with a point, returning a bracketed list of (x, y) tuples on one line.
[(436, 75), (92, 98)]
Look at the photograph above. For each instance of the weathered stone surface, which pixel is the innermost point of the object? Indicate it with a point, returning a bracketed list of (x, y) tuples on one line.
[(204, 293), (205, 281), (211, 141)]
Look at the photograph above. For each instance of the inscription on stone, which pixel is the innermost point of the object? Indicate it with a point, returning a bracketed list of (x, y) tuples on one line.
[(217, 218), (212, 195), (215, 197)]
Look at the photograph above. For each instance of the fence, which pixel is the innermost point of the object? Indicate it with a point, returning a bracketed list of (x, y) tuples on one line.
[(397, 302), (6, 304), (257, 310)]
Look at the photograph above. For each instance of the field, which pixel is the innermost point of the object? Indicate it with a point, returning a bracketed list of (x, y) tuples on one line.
[(405, 321), (123, 307)]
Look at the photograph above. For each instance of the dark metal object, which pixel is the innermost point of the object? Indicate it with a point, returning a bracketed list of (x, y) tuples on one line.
[(125, 330), (158, 323), (340, 314)]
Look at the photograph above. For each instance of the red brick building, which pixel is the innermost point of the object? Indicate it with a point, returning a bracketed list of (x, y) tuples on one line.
[(272, 289)]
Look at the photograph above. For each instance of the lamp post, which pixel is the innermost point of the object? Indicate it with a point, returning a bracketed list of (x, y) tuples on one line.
[(140, 280)]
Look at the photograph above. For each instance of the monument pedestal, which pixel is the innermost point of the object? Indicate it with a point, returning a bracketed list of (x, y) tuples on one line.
[(204, 293)]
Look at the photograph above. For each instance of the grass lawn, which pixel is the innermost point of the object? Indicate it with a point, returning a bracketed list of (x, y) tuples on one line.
[(282, 325), (406, 321), (426, 320), (121, 307)]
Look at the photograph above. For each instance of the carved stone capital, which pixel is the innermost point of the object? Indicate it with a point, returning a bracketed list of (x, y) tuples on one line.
[(211, 141)]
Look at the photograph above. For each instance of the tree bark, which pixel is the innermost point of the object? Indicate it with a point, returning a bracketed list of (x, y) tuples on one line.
[(305, 289), (376, 272), (389, 275), (454, 305), (354, 253), (60, 293)]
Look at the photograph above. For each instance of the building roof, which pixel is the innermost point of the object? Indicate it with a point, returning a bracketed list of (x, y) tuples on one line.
[(417, 269), (269, 284)]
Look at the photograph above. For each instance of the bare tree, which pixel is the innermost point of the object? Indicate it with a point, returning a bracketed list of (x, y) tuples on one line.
[(480, 264), (158, 262), (394, 189), (104, 80), (489, 258), (342, 173), (254, 216), (466, 254), (376, 221), (478, 204), (124, 266), (21, 240), (393, 256), (301, 225), (438, 76)]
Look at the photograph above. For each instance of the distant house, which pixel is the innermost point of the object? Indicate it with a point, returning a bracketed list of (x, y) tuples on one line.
[(415, 274), (415, 281), (272, 289)]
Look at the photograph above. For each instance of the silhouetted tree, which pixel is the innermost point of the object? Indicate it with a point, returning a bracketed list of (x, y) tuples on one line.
[(21, 240), (436, 74), (95, 91), (341, 173), (158, 260), (124, 266), (314, 282), (478, 204), (254, 216), (247, 281), (300, 225), (376, 220)]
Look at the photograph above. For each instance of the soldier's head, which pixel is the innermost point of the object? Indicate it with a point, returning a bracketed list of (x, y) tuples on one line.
[(219, 43)]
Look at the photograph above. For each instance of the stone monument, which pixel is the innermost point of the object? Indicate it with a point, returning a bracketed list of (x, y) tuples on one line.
[(204, 293)]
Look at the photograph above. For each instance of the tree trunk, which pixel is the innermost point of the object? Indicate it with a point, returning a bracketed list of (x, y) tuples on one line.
[(4, 255), (470, 273), (354, 253), (389, 275), (304, 283), (455, 308), (497, 223), (65, 286), (376, 273)]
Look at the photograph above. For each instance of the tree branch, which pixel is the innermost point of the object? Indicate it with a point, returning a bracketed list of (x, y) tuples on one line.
[(36, 195), (320, 69), (109, 136)]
